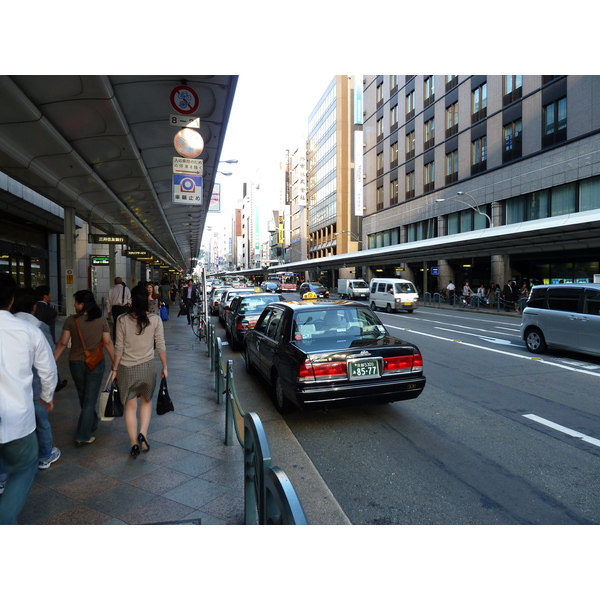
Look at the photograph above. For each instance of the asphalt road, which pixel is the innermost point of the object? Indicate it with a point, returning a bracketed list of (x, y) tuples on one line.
[(499, 436)]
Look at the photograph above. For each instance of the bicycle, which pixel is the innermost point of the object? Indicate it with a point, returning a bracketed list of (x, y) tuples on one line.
[(197, 321)]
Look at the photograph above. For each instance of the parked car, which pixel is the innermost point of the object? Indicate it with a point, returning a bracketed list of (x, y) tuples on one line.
[(271, 287), (327, 353), (563, 316), (226, 297), (214, 299), (243, 313), (317, 288)]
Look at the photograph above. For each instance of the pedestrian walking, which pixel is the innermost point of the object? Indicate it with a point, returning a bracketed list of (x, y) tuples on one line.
[(86, 329), (189, 296), (46, 313), (24, 307), (153, 300), (138, 332), (22, 347), (165, 293), (508, 295), (118, 301)]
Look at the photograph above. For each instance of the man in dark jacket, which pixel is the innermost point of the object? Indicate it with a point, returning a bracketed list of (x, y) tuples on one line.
[(508, 295), (189, 296), (46, 313)]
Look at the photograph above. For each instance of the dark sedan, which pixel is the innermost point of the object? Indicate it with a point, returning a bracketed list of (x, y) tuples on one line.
[(242, 315), (327, 353), (316, 288), (271, 287)]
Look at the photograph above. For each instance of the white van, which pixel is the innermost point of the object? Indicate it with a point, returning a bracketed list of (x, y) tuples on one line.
[(393, 294)]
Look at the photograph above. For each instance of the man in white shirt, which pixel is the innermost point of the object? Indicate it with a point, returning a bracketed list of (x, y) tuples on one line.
[(118, 302), (22, 346)]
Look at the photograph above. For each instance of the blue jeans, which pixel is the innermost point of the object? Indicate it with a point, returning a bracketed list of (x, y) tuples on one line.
[(88, 384), (43, 429), (20, 460)]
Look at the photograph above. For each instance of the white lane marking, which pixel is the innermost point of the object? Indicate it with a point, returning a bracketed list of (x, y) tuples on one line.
[(479, 335), (513, 331), (521, 356), (571, 432)]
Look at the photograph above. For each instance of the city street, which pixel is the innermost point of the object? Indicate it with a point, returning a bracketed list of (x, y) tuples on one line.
[(499, 436)]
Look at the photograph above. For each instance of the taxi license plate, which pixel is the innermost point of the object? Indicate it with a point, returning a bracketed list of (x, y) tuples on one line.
[(363, 369)]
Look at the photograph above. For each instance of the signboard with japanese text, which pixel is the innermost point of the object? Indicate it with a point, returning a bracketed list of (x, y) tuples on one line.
[(187, 189), (98, 238), (188, 166)]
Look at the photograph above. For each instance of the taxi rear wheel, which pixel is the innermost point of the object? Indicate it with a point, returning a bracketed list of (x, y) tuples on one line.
[(282, 404)]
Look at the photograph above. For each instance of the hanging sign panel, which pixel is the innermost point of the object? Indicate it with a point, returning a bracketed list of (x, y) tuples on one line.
[(187, 189)]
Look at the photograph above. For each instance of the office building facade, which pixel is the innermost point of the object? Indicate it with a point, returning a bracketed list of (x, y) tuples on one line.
[(451, 155)]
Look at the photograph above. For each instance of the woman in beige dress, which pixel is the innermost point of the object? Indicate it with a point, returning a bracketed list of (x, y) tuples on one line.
[(137, 333)]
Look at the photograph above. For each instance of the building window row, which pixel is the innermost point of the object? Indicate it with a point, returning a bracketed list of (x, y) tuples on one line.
[(551, 202)]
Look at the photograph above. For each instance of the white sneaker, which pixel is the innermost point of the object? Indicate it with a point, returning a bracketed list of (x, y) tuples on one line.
[(2, 484), (54, 456)]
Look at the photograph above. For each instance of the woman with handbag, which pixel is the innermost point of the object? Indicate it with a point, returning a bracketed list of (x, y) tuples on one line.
[(137, 333), (89, 333)]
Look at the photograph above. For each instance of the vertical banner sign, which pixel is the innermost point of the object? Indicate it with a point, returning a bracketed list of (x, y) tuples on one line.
[(358, 173), (358, 100), (215, 199)]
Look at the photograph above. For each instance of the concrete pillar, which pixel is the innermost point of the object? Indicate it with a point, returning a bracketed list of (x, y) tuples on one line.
[(500, 268), (70, 260)]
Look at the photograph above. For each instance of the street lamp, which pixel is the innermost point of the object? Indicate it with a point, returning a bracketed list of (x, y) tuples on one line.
[(226, 173), (231, 161), (475, 208), (353, 236)]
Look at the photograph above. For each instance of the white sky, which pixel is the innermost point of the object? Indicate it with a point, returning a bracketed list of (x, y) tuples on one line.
[(269, 115)]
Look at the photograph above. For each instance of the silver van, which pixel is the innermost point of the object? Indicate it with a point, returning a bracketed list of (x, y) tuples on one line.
[(563, 316)]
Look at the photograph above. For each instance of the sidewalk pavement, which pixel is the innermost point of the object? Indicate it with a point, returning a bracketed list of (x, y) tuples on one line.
[(189, 476)]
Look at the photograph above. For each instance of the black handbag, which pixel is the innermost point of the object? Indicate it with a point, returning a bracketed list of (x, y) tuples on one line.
[(163, 404), (114, 408)]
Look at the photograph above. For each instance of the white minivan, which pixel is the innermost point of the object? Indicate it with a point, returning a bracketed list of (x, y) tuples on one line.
[(393, 294), (564, 315)]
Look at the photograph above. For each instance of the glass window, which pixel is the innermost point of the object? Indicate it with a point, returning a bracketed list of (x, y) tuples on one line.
[(452, 119), (479, 103), (591, 302), (537, 205), (589, 194), (563, 299), (429, 133), (429, 90), (273, 327), (410, 105), (564, 199), (410, 144)]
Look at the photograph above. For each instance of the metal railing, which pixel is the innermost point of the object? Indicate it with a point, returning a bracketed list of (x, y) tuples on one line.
[(473, 302), (269, 496)]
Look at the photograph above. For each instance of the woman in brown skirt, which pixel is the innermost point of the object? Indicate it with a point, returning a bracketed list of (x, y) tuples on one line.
[(137, 333)]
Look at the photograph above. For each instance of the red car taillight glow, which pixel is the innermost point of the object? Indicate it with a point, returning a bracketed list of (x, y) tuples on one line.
[(313, 372), (397, 364)]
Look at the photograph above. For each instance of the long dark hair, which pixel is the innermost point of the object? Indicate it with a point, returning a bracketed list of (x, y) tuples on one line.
[(89, 304), (139, 307)]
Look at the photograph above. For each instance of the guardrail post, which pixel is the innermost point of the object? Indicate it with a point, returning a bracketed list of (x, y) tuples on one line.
[(257, 457), (228, 407)]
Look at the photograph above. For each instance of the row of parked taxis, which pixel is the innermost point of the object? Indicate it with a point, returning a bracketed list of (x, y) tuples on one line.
[(318, 352)]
